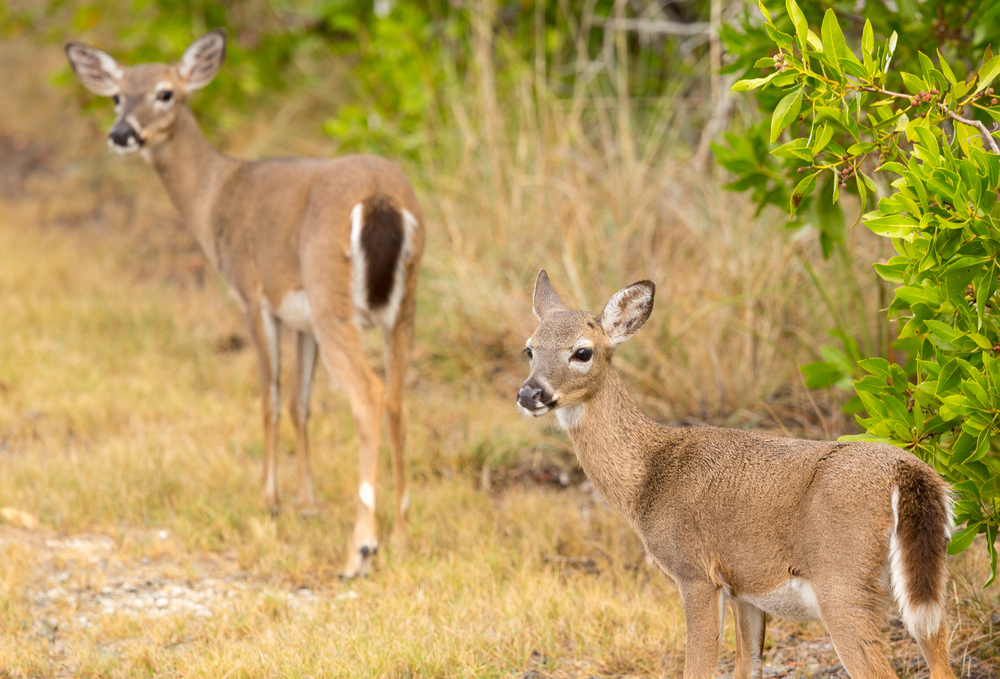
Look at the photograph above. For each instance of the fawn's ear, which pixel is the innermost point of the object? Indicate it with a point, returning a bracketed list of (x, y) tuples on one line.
[(203, 59), (545, 300), (97, 70), (627, 310)]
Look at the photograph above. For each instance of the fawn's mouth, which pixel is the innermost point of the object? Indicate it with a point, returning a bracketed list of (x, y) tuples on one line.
[(538, 409)]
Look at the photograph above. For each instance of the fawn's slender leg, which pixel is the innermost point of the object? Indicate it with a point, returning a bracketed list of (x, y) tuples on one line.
[(298, 407), (935, 650), (340, 348), (855, 631), (749, 640), (701, 611), (398, 345), (264, 332)]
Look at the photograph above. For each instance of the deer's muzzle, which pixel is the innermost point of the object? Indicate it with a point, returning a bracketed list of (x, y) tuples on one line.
[(534, 399), (123, 137)]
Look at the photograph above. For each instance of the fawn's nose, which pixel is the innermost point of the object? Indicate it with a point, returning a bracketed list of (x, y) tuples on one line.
[(124, 135), (529, 397)]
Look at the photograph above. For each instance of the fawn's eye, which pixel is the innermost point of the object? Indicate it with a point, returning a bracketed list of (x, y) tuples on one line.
[(527, 350), (164, 95), (584, 354), (116, 98)]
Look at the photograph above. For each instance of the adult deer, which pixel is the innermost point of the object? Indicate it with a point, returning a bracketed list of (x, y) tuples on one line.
[(805, 530), (324, 247)]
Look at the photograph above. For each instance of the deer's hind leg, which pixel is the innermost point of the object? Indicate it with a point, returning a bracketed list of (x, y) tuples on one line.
[(298, 407), (935, 651), (853, 616), (398, 346), (342, 353), (750, 626)]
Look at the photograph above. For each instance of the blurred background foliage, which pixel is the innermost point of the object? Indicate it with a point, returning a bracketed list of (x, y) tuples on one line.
[(403, 56), (594, 116)]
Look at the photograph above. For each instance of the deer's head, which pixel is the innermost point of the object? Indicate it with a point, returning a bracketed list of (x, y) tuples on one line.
[(570, 351), (147, 96)]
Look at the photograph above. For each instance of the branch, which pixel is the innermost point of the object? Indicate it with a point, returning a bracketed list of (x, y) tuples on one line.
[(951, 114), (888, 93), (973, 123)]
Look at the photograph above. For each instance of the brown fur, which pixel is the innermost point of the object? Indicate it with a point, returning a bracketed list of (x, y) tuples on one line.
[(739, 514), (276, 230), (922, 516), (382, 242)]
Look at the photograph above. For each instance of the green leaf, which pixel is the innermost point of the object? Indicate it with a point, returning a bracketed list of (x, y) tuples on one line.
[(821, 374), (877, 366), (833, 39), (968, 138), (799, 22), (892, 226), (753, 83), (802, 189), (961, 540), (786, 111), (823, 137), (890, 47), (861, 148), (987, 72), (763, 10), (796, 148), (867, 39), (946, 69), (918, 294)]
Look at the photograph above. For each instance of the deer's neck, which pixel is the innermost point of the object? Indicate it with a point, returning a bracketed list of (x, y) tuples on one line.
[(614, 442), (193, 173)]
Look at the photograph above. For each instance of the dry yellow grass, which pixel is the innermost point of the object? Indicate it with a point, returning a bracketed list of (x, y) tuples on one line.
[(126, 415)]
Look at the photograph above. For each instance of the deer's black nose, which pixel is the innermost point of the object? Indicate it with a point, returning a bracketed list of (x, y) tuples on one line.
[(530, 397), (528, 394), (123, 134)]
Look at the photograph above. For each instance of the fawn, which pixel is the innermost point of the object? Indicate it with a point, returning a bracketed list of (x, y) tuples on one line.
[(804, 530)]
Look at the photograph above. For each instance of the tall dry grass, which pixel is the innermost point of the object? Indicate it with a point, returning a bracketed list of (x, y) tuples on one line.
[(599, 189)]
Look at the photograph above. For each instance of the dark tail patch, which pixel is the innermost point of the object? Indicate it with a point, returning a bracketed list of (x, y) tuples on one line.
[(922, 532), (381, 242)]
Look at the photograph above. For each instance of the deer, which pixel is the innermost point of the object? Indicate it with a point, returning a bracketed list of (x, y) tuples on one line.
[(796, 529), (326, 248)]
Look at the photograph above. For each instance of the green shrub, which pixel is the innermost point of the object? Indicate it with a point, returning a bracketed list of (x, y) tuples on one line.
[(844, 122)]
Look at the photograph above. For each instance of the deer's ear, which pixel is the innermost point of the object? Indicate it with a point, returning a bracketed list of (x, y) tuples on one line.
[(627, 310), (97, 70), (203, 59), (545, 300)]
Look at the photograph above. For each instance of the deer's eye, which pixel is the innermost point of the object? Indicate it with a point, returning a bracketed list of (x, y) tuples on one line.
[(584, 354), (116, 99), (164, 95), (527, 350)]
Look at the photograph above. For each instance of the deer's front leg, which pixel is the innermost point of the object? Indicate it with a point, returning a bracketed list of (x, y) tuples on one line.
[(701, 611), (264, 332)]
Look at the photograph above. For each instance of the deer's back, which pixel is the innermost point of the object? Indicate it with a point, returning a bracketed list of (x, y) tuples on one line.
[(762, 508)]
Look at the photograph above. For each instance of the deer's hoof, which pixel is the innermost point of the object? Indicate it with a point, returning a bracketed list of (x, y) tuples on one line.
[(360, 562)]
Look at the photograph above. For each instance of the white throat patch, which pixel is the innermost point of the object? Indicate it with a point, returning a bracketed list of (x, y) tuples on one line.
[(571, 417)]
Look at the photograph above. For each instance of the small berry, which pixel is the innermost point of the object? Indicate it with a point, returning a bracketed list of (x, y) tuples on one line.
[(993, 101)]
